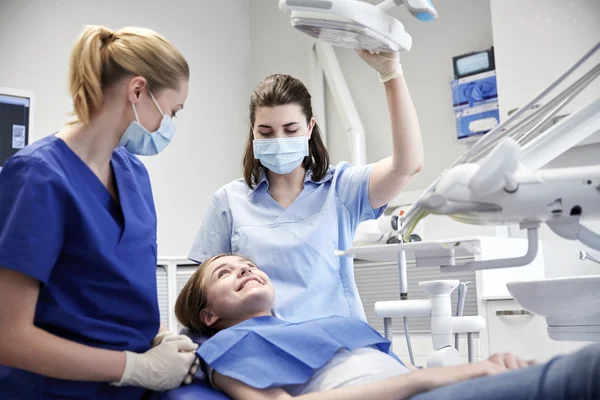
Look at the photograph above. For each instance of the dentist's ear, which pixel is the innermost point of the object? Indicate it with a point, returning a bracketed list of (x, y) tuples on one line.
[(135, 88), (208, 317), (311, 125)]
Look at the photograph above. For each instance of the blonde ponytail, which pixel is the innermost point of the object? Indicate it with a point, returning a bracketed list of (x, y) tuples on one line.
[(85, 71), (100, 57)]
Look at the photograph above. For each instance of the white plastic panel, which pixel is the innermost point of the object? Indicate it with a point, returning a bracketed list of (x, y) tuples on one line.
[(163, 294)]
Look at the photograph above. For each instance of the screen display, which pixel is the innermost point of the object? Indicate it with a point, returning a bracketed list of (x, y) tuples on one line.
[(473, 63), (14, 125)]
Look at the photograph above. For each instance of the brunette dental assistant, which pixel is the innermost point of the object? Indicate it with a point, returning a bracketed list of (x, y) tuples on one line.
[(292, 210)]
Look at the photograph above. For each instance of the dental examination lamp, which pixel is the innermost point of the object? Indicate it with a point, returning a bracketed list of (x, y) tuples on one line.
[(357, 24)]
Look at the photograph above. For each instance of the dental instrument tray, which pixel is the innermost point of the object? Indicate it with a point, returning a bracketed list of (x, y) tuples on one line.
[(424, 254)]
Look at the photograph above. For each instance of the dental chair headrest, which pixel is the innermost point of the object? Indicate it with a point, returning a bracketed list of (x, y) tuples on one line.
[(198, 338)]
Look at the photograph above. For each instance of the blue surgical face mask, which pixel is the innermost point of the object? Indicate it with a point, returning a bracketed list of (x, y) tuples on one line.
[(138, 140), (281, 155)]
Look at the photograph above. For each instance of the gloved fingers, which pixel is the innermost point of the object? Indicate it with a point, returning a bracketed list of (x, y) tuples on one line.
[(190, 376), (186, 346), (163, 336), (195, 366), (185, 369), (371, 54), (389, 56), (174, 337), (189, 360), (366, 55)]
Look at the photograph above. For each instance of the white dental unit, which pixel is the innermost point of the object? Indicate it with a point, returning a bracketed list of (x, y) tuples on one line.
[(497, 182)]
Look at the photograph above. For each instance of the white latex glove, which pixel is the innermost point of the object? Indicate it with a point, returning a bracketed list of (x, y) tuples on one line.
[(168, 336), (387, 65), (161, 368)]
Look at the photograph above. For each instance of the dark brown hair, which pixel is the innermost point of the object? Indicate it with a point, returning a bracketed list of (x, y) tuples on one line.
[(279, 90), (192, 298)]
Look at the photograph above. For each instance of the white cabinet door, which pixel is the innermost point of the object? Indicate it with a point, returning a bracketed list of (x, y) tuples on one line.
[(511, 329)]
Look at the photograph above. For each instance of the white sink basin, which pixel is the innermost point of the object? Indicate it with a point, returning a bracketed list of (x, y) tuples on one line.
[(571, 305), (558, 297)]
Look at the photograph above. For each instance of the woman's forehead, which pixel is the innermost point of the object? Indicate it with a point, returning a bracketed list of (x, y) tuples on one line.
[(226, 260), (279, 115)]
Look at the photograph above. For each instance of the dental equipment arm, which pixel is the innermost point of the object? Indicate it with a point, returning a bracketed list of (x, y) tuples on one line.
[(402, 265), (460, 306), (589, 256), (538, 146), (496, 182), (443, 325), (404, 296), (342, 98)]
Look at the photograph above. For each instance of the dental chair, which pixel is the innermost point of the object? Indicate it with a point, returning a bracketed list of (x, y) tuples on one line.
[(197, 390)]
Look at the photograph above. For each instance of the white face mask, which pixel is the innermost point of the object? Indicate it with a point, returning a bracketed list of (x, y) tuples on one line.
[(138, 140), (281, 155)]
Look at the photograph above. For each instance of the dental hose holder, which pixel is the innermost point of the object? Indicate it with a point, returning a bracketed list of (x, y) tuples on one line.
[(443, 324), (403, 281)]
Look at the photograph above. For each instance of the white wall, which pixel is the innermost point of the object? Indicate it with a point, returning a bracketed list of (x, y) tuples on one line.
[(535, 41), (35, 40), (277, 48)]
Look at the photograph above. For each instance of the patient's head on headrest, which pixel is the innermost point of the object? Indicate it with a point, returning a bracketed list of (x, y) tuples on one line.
[(225, 290)]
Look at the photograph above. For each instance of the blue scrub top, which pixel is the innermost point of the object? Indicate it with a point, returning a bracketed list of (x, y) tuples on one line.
[(295, 246), (95, 259)]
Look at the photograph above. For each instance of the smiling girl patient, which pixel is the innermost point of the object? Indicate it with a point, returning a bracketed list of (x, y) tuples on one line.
[(252, 355)]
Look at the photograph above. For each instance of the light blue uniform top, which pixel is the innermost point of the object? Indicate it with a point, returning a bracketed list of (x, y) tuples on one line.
[(295, 246)]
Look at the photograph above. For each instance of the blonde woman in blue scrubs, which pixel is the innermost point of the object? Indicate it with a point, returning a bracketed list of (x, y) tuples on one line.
[(78, 301), (292, 209)]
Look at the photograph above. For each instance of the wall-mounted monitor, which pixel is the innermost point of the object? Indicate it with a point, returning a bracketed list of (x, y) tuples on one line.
[(16, 121)]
